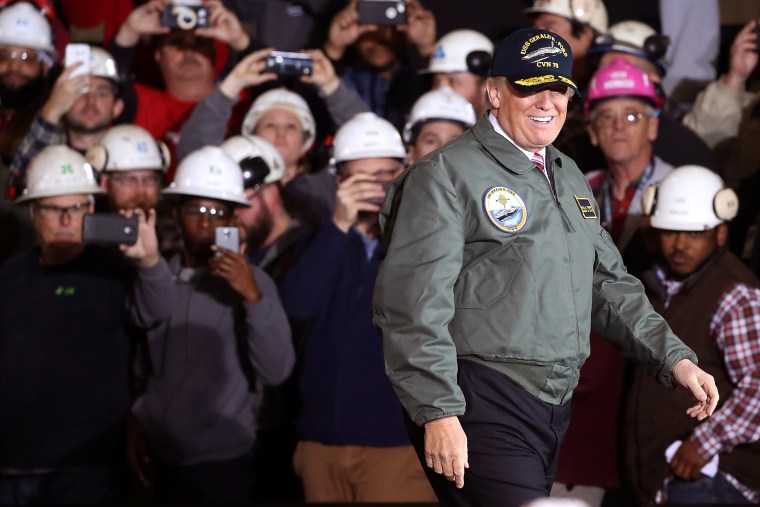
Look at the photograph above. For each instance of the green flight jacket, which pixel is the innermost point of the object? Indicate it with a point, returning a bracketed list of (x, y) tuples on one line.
[(485, 262)]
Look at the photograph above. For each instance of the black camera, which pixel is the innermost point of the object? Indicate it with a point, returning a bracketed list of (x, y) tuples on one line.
[(381, 12), (290, 64), (185, 17)]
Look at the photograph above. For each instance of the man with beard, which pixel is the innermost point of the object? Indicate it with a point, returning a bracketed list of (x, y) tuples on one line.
[(26, 55), (381, 62), (276, 234), (78, 113)]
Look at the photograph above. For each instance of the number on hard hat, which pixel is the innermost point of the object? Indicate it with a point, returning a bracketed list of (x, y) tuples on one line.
[(441, 104), (461, 51), (26, 25), (620, 79), (259, 160), (587, 12), (281, 98), (690, 198), (58, 170), (128, 148), (366, 135), (211, 173)]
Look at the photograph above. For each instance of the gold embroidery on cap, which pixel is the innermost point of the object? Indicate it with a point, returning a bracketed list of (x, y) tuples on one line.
[(533, 81)]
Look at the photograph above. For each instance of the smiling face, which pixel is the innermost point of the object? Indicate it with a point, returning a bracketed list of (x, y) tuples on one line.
[(532, 121)]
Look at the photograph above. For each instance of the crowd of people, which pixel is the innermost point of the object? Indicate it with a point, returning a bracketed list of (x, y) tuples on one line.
[(436, 237)]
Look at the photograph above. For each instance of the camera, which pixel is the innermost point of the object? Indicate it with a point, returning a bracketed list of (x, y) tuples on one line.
[(290, 64), (757, 32), (381, 12), (185, 17)]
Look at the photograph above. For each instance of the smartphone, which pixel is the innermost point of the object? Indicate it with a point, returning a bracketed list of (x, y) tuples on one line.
[(109, 229), (185, 17), (284, 63), (757, 32), (228, 237), (78, 53), (381, 12)]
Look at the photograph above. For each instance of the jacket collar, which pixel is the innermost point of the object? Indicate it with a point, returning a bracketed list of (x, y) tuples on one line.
[(505, 152)]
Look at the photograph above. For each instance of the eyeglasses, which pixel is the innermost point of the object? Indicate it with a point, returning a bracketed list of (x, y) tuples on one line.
[(132, 181), (196, 212), (25, 56), (53, 212), (607, 119)]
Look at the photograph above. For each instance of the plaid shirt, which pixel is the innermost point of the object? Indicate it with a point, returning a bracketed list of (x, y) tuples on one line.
[(735, 328), (41, 135)]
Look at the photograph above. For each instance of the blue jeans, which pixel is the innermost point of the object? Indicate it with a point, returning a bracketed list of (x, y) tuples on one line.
[(715, 490), (87, 486)]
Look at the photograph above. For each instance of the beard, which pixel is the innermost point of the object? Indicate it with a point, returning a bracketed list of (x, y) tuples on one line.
[(259, 231), (12, 97), (83, 128)]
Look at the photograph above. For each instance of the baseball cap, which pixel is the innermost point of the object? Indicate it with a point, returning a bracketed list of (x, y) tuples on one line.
[(533, 59)]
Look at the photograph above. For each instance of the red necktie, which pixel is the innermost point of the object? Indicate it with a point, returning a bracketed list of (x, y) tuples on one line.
[(539, 161)]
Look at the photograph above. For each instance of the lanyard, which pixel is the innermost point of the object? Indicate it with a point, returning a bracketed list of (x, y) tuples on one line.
[(643, 182)]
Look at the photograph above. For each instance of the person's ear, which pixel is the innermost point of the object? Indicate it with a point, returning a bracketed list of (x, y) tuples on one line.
[(493, 93), (118, 107), (653, 128), (722, 235), (592, 134), (104, 181)]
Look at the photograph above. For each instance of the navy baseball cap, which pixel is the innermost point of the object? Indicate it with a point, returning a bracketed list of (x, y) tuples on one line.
[(533, 59)]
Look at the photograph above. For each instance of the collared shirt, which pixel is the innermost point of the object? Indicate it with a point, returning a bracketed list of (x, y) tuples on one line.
[(735, 327), (525, 152)]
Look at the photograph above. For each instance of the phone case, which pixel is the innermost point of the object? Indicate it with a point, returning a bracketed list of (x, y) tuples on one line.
[(381, 12), (78, 53), (109, 229), (228, 237)]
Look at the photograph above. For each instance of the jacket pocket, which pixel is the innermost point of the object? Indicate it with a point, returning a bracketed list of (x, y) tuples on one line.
[(496, 307)]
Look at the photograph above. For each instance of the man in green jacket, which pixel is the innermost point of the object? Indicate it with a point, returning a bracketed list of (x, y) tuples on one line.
[(497, 269)]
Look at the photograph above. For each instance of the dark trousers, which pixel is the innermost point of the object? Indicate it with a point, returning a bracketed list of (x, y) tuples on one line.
[(90, 486), (226, 481), (513, 442)]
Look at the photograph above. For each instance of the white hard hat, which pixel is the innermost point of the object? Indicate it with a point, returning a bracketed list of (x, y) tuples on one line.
[(242, 148), (102, 64), (690, 198), (636, 38), (441, 104), (461, 51), (281, 98), (209, 172), (22, 24), (128, 148), (588, 12), (58, 170), (366, 135)]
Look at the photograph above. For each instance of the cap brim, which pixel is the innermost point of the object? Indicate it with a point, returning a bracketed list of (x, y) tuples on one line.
[(533, 84)]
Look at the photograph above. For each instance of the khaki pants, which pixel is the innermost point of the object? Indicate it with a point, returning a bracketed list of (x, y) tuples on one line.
[(352, 473)]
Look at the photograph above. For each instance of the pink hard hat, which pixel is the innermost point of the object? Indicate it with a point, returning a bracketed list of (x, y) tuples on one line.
[(617, 80)]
